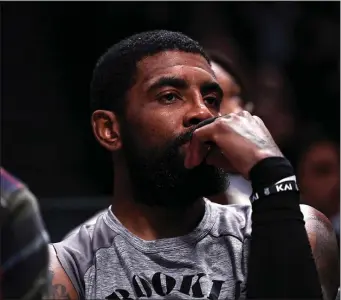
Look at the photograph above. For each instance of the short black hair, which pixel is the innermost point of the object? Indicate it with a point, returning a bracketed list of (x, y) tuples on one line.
[(231, 67), (115, 71)]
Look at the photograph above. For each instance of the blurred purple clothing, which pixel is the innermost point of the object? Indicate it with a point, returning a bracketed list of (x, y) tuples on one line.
[(24, 252)]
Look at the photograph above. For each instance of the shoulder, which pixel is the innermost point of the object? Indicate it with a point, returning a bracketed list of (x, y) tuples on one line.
[(76, 252), (317, 224), (88, 224), (70, 259), (14, 193), (60, 285), (310, 213), (9, 183), (325, 250), (24, 237), (18, 203), (233, 219)]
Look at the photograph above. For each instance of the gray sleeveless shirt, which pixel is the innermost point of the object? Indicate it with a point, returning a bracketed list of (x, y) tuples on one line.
[(105, 261)]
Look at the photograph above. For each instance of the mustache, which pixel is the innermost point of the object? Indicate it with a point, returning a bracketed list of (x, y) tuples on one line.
[(187, 136)]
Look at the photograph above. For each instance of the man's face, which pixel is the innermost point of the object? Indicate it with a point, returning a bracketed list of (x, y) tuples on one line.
[(231, 101), (173, 92), (319, 177)]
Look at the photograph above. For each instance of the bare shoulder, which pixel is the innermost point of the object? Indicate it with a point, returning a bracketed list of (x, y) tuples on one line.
[(325, 250), (318, 226), (319, 229), (60, 285), (310, 213)]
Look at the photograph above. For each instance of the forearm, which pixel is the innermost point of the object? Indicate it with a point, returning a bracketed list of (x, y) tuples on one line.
[(281, 264)]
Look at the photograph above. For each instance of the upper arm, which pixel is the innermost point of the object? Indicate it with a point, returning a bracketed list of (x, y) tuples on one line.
[(324, 246), (60, 286)]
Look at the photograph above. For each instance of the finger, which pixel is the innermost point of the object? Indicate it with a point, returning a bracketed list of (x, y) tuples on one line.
[(247, 118), (262, 125), (216, 158), (195, 155), (243, 113), (201, 139), (211, 134), (259, 121), (268, 134), (252, 120)]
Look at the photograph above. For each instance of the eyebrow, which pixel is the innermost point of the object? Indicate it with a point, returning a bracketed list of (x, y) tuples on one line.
[(211, 87), (168, 81), (179, 83)]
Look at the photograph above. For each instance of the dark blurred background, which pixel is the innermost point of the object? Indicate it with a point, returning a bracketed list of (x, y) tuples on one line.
[(289, 52)]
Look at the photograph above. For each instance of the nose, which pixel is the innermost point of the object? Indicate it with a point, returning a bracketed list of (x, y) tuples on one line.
[(197, 113)]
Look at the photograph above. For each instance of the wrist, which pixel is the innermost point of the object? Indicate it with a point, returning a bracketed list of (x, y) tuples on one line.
[(269, 171), (257, 157)]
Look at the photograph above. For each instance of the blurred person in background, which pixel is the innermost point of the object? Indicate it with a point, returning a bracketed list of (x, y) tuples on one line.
[(275, 104), (318, 170), (24, 242)]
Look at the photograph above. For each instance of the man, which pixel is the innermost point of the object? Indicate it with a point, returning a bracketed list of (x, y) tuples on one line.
[(156, 108), (24, 242)]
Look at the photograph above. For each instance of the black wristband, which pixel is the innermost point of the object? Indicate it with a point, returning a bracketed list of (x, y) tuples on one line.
[(286, 186), (269, 171)]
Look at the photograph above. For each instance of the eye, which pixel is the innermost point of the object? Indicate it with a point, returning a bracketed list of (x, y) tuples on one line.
[(213, 101), (168, 98)]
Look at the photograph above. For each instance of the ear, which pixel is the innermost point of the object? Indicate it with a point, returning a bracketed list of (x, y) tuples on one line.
[(106, 129)]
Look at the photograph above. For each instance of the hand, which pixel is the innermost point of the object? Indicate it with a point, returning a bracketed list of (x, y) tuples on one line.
[(234, 142)]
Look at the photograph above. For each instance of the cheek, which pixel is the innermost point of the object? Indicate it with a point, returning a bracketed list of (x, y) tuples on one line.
[(153, 128)]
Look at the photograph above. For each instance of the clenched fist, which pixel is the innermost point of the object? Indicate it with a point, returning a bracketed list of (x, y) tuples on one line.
[(234, 142)]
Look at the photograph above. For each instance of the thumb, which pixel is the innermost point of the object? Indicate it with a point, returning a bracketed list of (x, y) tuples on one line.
[(216, 158), (201, 141)]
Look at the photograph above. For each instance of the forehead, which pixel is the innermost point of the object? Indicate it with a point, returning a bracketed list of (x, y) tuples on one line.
[(187, 65)]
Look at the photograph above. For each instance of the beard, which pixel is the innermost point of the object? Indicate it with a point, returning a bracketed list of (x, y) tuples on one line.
[(159, 177)]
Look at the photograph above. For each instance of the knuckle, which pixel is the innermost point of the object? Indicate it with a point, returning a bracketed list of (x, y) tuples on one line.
[(230, 117), (256, 117), (245, 114), (221, 123)]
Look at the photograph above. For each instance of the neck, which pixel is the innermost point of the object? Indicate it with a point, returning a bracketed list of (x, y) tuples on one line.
[(147, 222)]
